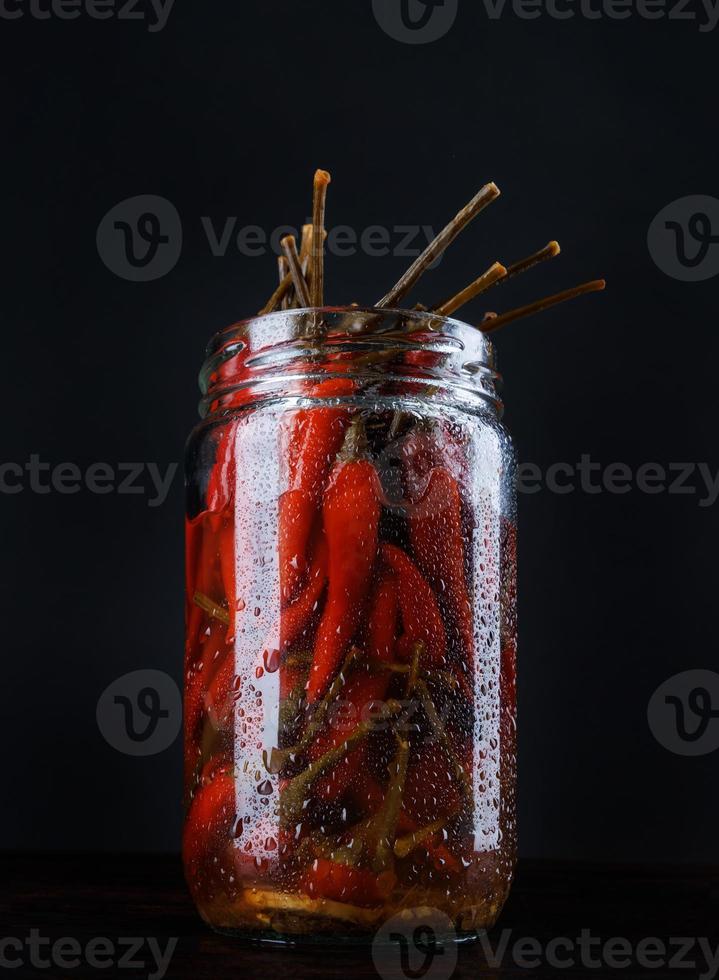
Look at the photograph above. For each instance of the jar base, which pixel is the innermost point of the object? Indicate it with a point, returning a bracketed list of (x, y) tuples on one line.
[(279, 919)]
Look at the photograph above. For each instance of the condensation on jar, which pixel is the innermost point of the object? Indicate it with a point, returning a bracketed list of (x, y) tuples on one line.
[(350, 683)]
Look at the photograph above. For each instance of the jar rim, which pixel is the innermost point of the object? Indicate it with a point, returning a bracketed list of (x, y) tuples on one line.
[(263, 350), (471, 336)]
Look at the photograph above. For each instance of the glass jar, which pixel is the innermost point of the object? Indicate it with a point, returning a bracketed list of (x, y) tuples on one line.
[(350, 734)]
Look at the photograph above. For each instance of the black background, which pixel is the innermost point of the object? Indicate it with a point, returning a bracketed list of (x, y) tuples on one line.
[(590, 127)]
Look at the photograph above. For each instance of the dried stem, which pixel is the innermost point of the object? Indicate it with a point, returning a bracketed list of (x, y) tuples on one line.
[(550, 251), (436, 247), (283, 270), (322, 179), (294, 795), (289, 247), (493, 274), (404, 846), (306, 243), (276, 298), (279, 757), (381, 832), (211, 608), (493, 322)]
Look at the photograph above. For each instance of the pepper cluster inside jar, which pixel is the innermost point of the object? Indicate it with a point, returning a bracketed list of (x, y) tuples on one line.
[(349, 672)]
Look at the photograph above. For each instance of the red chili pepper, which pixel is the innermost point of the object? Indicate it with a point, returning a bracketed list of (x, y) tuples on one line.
[(344, 883), (314, 440), (423, 449), (350, 513), (435, 525), (222, 693), (368, 685), (209, 821), (213, 648), (221, 481), (295, 617), (421, 618)]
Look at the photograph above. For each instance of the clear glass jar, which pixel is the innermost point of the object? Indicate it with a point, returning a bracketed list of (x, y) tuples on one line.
[(350, 733)]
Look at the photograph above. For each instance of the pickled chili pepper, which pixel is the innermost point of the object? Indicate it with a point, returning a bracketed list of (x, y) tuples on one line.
[(350, 514), (344, 883), (435, 525), (295, 617), (199, 674), (421, 618), (366, 686), (209, 819), (315, 437), (220, 483), (204, 573)]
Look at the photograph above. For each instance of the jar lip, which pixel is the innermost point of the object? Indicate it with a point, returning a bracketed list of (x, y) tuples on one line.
[(475, 343), (280, 351)]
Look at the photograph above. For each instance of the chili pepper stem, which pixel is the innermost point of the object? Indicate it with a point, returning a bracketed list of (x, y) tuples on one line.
[(211, 608), (279, 757), (493, 322), (444, 239), (289, 247), (321, 181), (404, 846), (294, 796), (493, 274), (277, 296)]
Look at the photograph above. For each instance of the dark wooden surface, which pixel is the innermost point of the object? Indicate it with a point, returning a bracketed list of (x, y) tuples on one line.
[(144, 896)]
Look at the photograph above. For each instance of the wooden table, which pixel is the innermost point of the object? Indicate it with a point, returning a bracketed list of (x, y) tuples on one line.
[(118, 898)]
